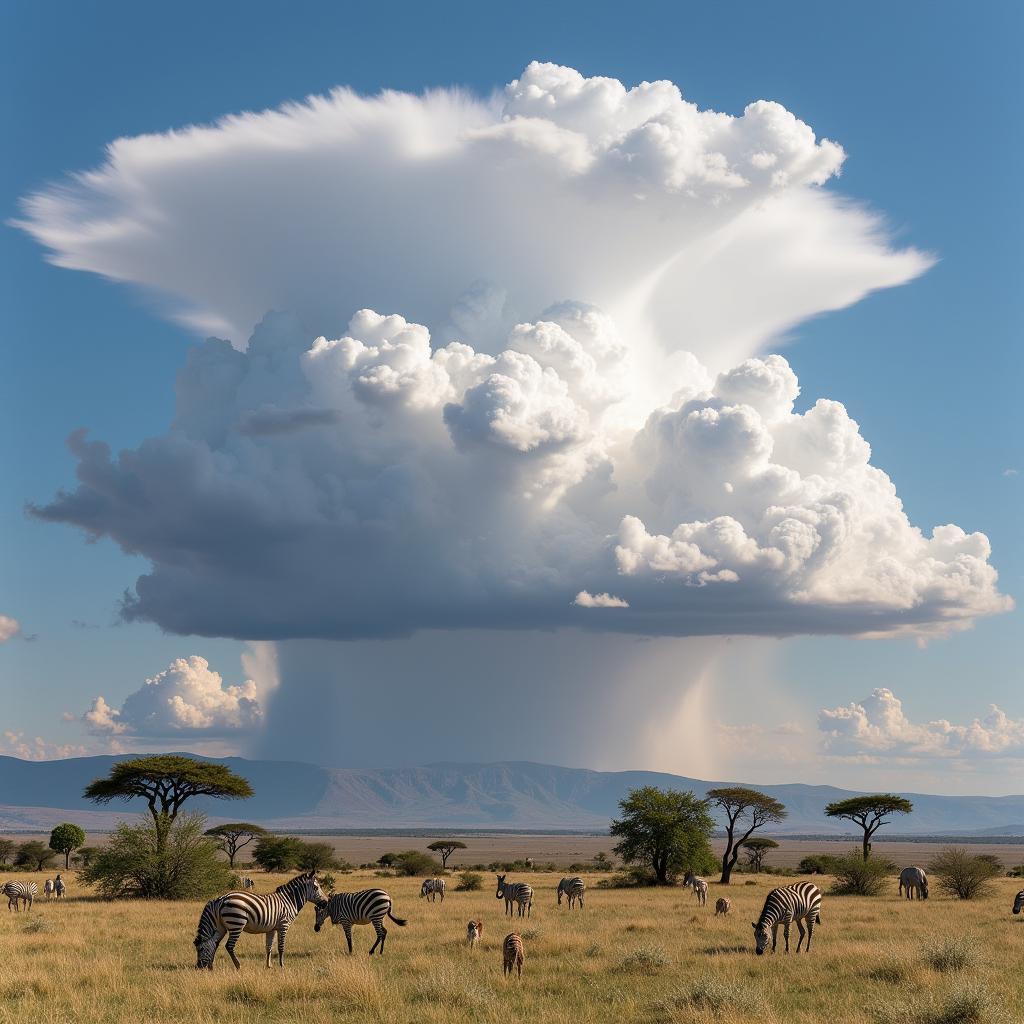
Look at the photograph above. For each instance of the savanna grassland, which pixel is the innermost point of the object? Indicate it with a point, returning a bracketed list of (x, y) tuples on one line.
[(646, 955)]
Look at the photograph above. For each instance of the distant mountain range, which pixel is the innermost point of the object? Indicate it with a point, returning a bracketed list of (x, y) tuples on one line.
[(504, 795)]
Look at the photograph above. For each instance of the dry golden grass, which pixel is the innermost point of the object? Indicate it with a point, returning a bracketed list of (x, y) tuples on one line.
[(631, 955)]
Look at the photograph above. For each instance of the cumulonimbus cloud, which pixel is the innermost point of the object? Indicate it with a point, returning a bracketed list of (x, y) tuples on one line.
[(571, 401), (186, 699), (878, 727)]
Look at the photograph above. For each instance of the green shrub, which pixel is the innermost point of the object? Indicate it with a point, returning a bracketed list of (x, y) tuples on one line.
[(277, 853), (963, 875), (630, 878), (415, 862), (188, 868), (469, 881), (817, 864), (315, 856), (858, 877)]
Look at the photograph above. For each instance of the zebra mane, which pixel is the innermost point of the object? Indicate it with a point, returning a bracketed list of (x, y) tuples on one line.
[(293, 889)]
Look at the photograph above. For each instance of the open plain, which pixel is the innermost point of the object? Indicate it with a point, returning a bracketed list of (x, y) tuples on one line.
[(647, 955)]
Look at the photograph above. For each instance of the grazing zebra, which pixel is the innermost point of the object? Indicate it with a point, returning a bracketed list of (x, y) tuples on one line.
[(370, 906), (914, 880), (700, 888), (722, 905), (59, 888), (25, 891), (573, 888), (48, 888), (512, 955), (248, 884), (240, 911), (800, 902), (1018, 903), (474, 933), (515, 892), (432, 887)]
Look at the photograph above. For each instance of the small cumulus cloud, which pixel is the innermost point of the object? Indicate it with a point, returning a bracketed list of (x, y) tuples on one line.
[(15, 744), (187, 698), (587, 600), (9, 628), (877, 727)]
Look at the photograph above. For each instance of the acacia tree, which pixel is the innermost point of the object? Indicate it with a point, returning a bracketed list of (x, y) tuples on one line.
[(165, 782), (66, 839), (235, 836), (746, 810), (6, 850), (446, 847), (870, 812), (757, 847), (666, 829), (34, 854)]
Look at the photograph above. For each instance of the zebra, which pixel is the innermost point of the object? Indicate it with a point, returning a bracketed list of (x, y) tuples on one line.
[(370, 906), (474, 933), (722, 905), (15, 891), (248, 884), (432, 888), (512, 955), (914, 880), (48, 888), (574, 888), (1018, 903), (59, 888), (515, 892), (700, 888), (240, 911), (800, 902)]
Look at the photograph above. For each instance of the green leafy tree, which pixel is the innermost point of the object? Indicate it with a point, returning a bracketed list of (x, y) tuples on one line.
[(235, 837), (6, 850), (870, 813), (746, 811), (415, 862), (666, 830), (87, 854), (446, 847), (277, 853), (757, 848), (165, 782), (387, 860), (855, 876), (66, 839), (187, 867), (963, 875), (33, 854), (316, 856)]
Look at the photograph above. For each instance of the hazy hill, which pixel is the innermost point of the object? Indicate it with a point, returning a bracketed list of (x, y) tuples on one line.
[(514, 794)]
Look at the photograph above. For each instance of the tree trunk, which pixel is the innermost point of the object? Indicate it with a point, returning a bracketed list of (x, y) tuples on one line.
[(867, 844), (67, 859)]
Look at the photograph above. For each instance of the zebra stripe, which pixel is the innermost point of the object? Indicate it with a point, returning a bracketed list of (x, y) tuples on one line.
[(15, 891), (369, 906), (573, 888), (800, 903), (915, 881), (432, 887), (1018, 903), (515, 892), (59, 888), (240, 911), (512, 955), (700, 887)]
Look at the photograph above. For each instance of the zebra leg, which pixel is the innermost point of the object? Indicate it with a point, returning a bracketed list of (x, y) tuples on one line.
[(785, 933), (347, 928), (810, 932), (800, 929), (230, 947), (775, 935), (270, 945), (280, 944), (381, 934)]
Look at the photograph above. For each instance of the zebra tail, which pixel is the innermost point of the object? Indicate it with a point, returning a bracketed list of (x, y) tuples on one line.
[(400, 921)]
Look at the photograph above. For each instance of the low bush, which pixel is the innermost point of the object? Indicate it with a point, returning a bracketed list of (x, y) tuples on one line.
[(715, 995), (415, 862), (950, 955), (469, 881), (963, 875), (968, 1004), (858, 877), (645, 960), (816, 864), (631, 878)]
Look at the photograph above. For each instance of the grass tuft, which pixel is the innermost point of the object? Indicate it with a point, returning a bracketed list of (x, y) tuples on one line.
[(645, 960), (950, 955)]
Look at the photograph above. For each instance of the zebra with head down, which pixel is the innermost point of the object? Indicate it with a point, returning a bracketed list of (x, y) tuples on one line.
[(915, 881)]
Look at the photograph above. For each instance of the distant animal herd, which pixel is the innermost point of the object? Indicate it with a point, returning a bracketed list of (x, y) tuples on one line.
[(271, 914)]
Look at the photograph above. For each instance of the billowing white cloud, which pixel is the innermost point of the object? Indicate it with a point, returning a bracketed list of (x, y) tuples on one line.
[(878, 727), (9, 628), (36, 748), (187, 698), (473, 214), (448, 487), (587, 600)]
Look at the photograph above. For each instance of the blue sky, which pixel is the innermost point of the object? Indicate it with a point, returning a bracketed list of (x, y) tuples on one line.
[(923, 97)]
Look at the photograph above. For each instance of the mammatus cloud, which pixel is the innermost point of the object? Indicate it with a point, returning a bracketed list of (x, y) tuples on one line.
[(453, 488), (877, 727), (186, 699), (9, 628)]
